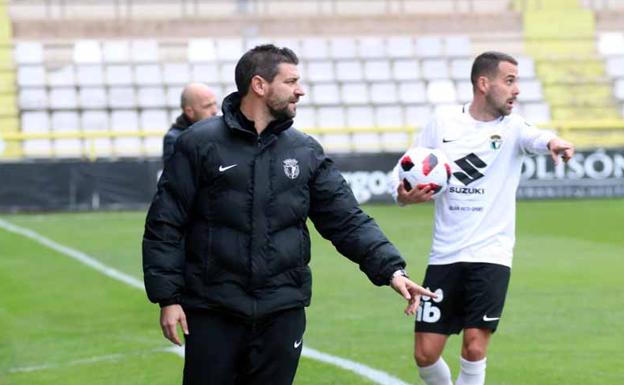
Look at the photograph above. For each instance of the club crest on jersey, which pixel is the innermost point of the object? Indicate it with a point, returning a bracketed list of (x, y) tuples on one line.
[(291, 168), (496, 141)]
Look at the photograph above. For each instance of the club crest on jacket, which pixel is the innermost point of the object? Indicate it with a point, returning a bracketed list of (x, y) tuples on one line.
[(291, 168)]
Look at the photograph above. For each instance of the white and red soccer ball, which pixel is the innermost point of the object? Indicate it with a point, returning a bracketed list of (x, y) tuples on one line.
[(423, 167)]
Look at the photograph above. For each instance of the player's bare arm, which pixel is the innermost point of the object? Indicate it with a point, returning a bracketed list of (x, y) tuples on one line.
[(559, 147), (415, 195)]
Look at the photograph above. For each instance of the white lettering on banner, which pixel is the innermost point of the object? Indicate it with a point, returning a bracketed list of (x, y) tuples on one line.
[(366, 184), (595, 165)]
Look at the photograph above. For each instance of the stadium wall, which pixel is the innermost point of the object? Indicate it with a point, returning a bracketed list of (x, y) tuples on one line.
[(130, 184)]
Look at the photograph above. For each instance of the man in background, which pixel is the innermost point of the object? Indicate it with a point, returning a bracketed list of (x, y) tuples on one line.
[(197, 102)]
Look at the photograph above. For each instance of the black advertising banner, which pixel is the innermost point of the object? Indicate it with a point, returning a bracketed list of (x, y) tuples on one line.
[(77, 185)]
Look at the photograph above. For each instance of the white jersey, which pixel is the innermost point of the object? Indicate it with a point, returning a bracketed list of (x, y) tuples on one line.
[(475, 216)]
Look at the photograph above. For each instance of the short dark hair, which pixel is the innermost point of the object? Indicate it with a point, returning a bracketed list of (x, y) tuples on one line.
[(487, 64), (263, 61)]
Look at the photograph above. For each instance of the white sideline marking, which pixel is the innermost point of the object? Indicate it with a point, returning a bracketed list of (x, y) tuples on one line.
[(86, 361), (377, 376)]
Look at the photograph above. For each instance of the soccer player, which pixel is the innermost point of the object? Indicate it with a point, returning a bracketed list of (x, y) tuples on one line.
[(473, 237), (226, 246)]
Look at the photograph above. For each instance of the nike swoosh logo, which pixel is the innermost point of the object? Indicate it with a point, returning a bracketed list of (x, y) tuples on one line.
[(444, 140), (297, 343), (488, 319), (222, 169)]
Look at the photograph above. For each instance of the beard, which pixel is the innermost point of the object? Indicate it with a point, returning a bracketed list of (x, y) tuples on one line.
[(501, 109), (279, 108)]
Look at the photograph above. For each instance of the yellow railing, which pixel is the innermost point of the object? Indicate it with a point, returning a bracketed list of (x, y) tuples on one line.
[(584, 134)]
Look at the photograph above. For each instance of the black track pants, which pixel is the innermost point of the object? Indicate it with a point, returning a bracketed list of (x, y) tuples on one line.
[(225, 350)]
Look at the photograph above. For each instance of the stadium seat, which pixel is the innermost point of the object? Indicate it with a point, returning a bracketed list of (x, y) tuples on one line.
[(28, 52), (354, 93), (325, 93), (536, 112), (229, 49), (33, 99), (201, 50), (226, 72), (63, 98), (144, 51), (154, 120), (611, 43), (615, 66), (93, 122), (342, 47), (173, 96), (412, 92), (66, 121), (441, 91), (61, 76), (619, 90), (371, 48), (400, 47), (121, 97), (147, 74), (292, 44), (92, 97), (526, 67), (360, 116), (457, 46), (151, 97), (90, 75), (406, 70), (319, 71), (34, 123), (305, 118), (460, 69), (349, 70), (116, 51), (435, 69), (377, 69), (87, 51), (119, 75), (418, 116), (530, 91), (383, 93), (464, 91), (429, 46), (126, 121), (31, 75), (330, 117), (314, 48), (176, 73), (205, 72), (389, 116)]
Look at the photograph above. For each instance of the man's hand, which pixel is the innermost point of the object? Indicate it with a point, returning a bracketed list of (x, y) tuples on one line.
[(170, 316), (560, 147), (415, 195), (410, 291)]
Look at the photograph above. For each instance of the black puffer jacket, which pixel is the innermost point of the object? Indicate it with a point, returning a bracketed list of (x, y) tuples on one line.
[(179, 126), (240, 202)]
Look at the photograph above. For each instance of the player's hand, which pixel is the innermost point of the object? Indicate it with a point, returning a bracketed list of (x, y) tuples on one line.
[(170, 316), (410, 291), (415, 195), (559, 147)]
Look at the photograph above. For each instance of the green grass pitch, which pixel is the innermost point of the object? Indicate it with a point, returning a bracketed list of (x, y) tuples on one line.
[(64, 323)]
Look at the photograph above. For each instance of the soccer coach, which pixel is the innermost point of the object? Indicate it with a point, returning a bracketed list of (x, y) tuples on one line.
[(237, 192)]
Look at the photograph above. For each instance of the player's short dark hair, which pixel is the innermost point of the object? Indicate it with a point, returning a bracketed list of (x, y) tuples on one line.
[(263, 61), (487, 64)]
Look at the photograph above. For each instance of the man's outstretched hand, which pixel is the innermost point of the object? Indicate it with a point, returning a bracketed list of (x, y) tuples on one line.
[(410, 291)]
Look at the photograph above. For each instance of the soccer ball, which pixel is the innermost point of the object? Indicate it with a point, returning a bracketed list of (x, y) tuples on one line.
[(425, 166)]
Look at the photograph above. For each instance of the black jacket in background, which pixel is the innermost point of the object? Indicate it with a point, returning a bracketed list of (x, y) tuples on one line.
[(180, 125), (240, 202)]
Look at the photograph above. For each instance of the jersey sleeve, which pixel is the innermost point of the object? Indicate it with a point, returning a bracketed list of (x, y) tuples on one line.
[(534, 140)]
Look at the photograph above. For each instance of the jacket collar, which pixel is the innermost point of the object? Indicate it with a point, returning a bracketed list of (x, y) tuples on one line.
[(237, 122), (182, 122)]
